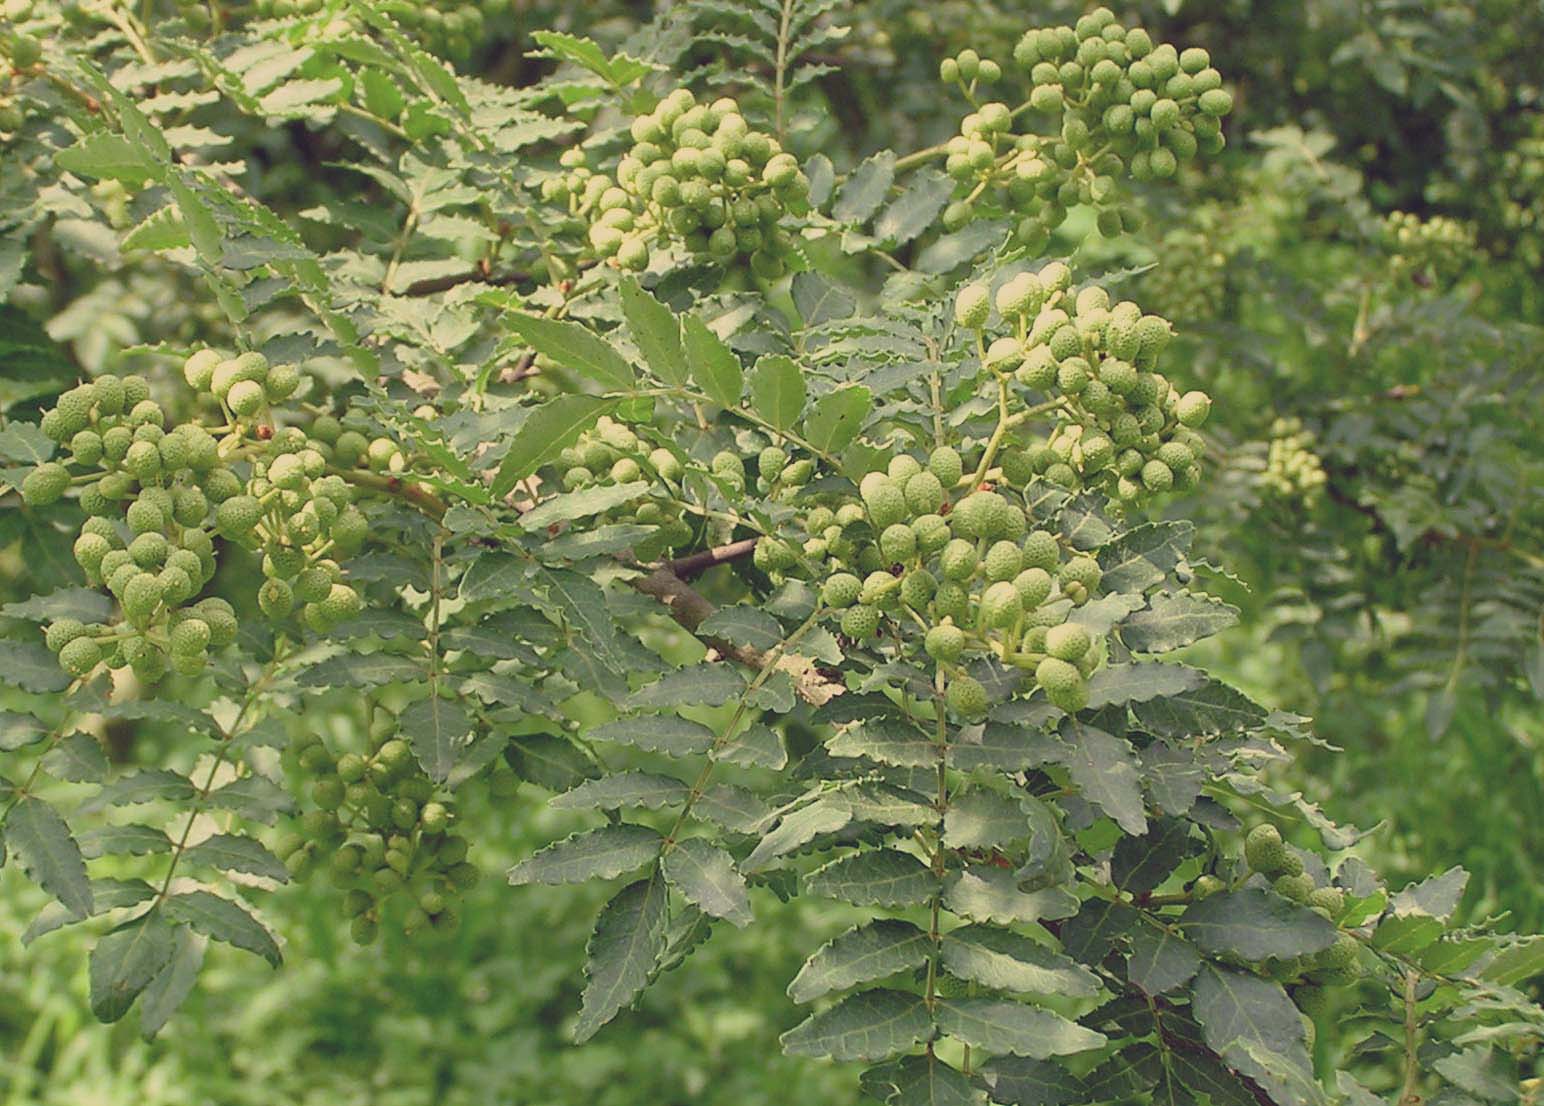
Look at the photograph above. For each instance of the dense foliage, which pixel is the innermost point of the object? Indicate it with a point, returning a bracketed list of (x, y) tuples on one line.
[(440, 441)]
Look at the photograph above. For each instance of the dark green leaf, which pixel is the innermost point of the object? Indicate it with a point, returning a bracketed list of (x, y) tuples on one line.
[(1175, 619), (1251, 1023), (914, 210), (707, 878), (836, 418), (865, 189), (1105, 769), (1255, 925), (879, 877), (440, 731), (668, 734), (656, 330), (574, 347), (861, 955), (1160, 961), (594, 854), (870, 1025), (998, 1025), (31, 667), (1006, 961), (224, 920), (628, 940), (40, 839), (777, 391), (172, 984), (624, 789), (124, 962), (714, 365), (546, 432), (231, 852)]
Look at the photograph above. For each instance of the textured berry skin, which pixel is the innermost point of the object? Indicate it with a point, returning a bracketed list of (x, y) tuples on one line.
[(972, 306), (1034, 587), (860, 623), (966, 697), (1264, 851), (236, 516), (45, 484), (1003, 561), (1041, 550), (917, 588), (945, 644), (924, 493), (898, 543), (1063, 684), (1068, 642), (80, 656), (886, 503), (1081, 570), (1001, 606), (1295, 887), (945, 464), (880, 589), (958, 560), (841, 590)]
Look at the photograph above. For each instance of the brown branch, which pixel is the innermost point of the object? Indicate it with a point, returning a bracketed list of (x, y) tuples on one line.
[(696, 564), (691, 610), (665, 584), (482, 274)]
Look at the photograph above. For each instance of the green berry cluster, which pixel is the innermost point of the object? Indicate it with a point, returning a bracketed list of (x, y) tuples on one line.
[(1121, 426), (921, 545), (1191, 279), (1118, 104), (152, 500), (381, 831), (1268, 856), (1293, 470), (289, 508), (155, 500), (696, 174), (1431, 252), (612, 453)]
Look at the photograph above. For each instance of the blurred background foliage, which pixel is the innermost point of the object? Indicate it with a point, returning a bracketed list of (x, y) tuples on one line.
[(1356, 282)]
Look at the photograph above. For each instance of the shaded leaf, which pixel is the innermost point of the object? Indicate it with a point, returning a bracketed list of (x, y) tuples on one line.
[(628, 940)]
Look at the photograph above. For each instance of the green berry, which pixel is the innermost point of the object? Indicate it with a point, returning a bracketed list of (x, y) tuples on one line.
[(1034, 587), (1068, 642), (80, 656), (45, 484), (198, 370), (972, 306), (1081, 570), (945, 643), (841, 590), (1264, 850), (898, 543), (190, 636), (245, 398), (924, 493), (966, 697), (860, 623), (958, 560), (275, 599), (1063, 684), (141, 596), (1001, 605), (236, 516), (1295, 887), (945, 464), (1003, 561), (61, 632)]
